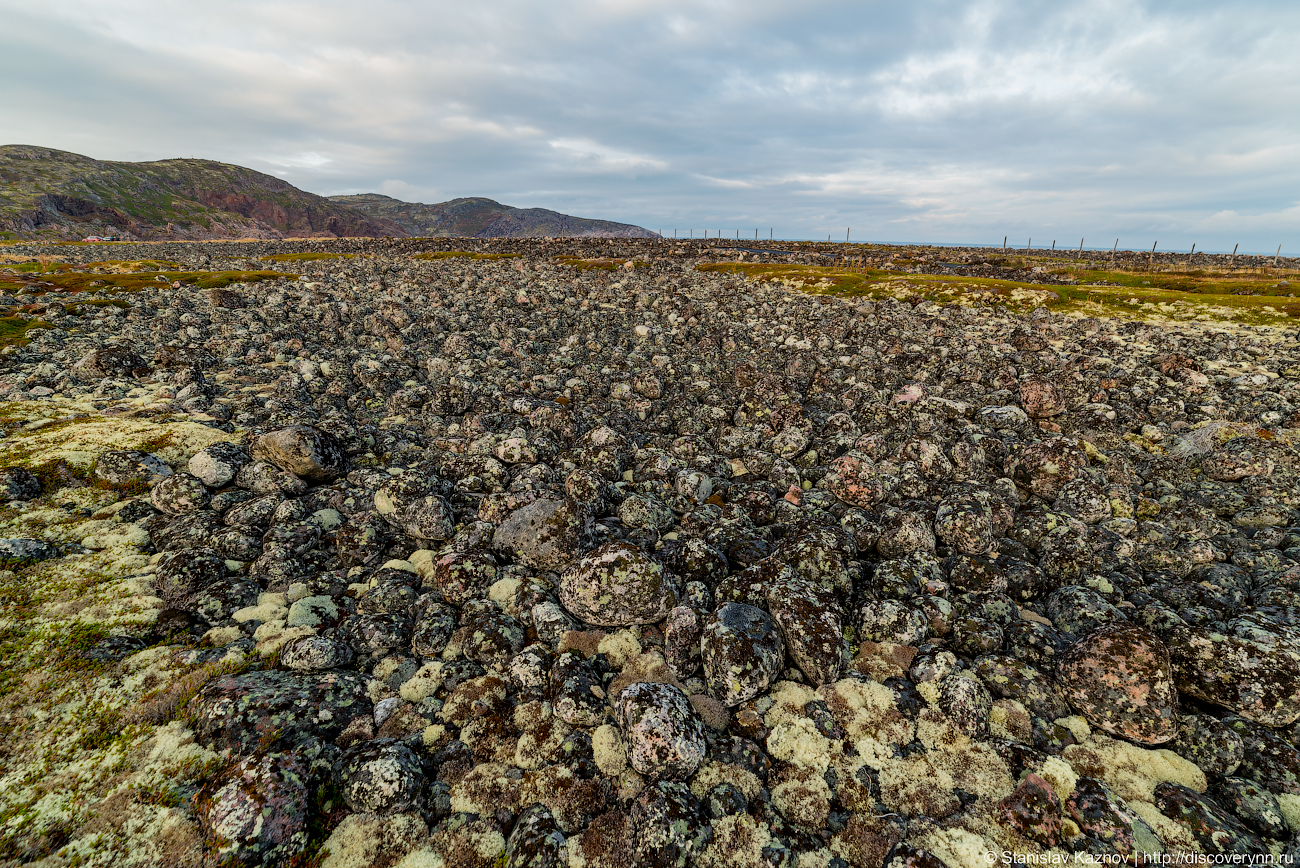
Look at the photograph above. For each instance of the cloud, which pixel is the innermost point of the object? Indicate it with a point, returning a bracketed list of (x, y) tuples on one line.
[(957, 120)]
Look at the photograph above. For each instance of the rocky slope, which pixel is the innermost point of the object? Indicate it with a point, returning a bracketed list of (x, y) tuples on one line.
[(470, 562), (45, 192), (483, 218)]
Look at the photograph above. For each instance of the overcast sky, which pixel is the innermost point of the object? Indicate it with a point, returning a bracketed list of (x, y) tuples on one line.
[(931, 120)]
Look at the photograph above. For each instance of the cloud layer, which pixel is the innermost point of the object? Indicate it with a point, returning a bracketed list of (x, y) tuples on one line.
[(938, 120)]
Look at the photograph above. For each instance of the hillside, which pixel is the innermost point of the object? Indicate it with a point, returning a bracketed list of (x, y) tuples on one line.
[(484, 218), (50, 193)]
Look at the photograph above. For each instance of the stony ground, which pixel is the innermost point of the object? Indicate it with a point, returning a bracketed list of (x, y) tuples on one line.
[(565, 562)]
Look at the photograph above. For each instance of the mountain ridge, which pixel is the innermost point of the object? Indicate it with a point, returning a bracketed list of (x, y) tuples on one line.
[(480, 217)]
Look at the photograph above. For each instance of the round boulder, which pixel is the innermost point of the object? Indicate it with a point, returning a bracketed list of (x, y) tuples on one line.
[(742, 652), (665, 737), (382, 776), (304, 451), (1119, 678), (618, 585)]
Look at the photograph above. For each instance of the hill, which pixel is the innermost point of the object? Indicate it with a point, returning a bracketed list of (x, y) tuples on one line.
[(50, 193), (484, 218)]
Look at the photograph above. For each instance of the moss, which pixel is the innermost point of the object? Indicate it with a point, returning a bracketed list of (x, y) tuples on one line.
[(1129, 301), (14, 329), (580, 264), (306, 257), (464, 254), (84, 281)]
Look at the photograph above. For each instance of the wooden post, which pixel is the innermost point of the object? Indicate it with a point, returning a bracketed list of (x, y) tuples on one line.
[(1053, 245), (846, 238), (1004, 244), (1152, 258), (1113, 249), (770, 230), (1193, 253), (1080, 246), (1276, 255), (1030, 244), (1233, 257)]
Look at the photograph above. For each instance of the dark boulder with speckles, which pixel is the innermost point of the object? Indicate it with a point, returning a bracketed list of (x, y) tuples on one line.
[(742, 651), (256, 710), (664, 735)]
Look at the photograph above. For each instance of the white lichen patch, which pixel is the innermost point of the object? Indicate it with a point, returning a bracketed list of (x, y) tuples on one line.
[(1131, 771), (609, 751), (80, 440)]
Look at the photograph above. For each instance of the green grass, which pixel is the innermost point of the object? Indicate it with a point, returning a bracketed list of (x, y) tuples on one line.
[(1214, 297), (306, 257), (13, 330), (80, 281), (464, 254), (597, 264)]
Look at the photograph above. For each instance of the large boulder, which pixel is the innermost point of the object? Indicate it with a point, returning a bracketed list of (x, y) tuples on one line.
[(1260, 682), (304, 451), (618, 585), (1119, 678), (742, 652), (664, 735)]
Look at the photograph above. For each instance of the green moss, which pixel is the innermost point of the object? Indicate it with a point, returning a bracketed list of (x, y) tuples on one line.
[(1128, 301), (14, 329), (464, 254), (83, 281), (597, 264), (306, 257)]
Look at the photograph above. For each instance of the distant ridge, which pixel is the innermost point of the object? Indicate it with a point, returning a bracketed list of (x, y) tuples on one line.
[(49, 193), (484, 218)]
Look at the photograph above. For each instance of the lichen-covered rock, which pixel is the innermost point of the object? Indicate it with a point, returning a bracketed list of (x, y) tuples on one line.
[(20, 552), (407, 502), (742, 651), (315, 654), (664, 735), (489, 635), (179, 493), (854, 479), (618, 585), (1212, 745), (668, 826), (124, 467), (812, 625), (905, 533), (464, 576), (1214, 829), (263, 477), (18, 483), (1106, 817), (1258, 681), (304, 451), (682, 630), (1046, 466), (536, 841), (576, 692), (255, 811), (546, 534), (1034, 810), (1233, 464), (1040, 397), (1118, 677), (382, 776), (967, 704), (218, 465), (1253, 804), (258, 710)]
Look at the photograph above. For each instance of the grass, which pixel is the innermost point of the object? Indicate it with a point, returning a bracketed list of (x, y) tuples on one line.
[(306, 257), (597, 264), (465, 254), (81, 281), (1253, 299), (14, 329)]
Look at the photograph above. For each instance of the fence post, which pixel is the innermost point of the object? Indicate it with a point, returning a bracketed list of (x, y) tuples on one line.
[(1004, 244), (1276, 255), (1113, 249), (1080, 246)]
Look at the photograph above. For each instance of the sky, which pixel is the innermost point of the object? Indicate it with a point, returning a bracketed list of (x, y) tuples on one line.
[(942, 121)]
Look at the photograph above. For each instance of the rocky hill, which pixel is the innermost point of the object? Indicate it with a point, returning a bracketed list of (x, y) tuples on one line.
[(50, 193), (484, 218)]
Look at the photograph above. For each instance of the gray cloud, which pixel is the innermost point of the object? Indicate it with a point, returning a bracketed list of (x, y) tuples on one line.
[(939, 120)]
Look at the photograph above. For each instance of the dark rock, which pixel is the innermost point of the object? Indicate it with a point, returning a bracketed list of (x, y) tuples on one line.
[(1118, 677), (665, 737), (742, 652)]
